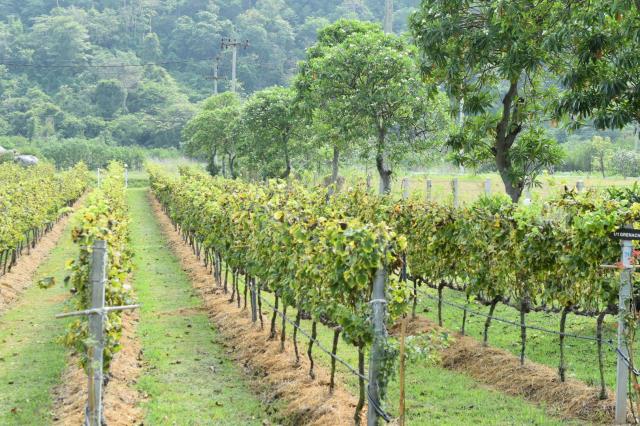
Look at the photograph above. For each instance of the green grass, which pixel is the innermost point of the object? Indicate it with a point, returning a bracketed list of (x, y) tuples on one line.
[(472, 185), (581, 356), (188, 377), (31, 362), (435, 396)]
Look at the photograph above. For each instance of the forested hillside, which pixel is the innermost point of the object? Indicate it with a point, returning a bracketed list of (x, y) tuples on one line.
[(131, 71)]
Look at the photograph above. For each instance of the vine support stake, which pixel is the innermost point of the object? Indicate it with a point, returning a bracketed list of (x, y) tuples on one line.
[(96, 332), (96, 313), (622, 376), (254, 302), (429, 189), (378, 311)]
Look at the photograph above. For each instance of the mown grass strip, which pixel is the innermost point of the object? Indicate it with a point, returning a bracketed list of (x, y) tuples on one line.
[(188, 377), (31, 361)]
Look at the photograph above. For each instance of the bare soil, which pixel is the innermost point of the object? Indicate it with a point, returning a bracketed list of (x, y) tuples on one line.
[(121, 398)]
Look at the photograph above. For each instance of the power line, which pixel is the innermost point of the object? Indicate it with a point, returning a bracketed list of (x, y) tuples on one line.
[(122, 65)]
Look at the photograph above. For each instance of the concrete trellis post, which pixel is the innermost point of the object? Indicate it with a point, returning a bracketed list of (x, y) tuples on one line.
[(487, 187), (580, 186), (97, 280), (622, 369), (626, 235), (96, 314), (429, 190), (405, 189), (378, 313), (368, 182), (126, 175), (456, 192)]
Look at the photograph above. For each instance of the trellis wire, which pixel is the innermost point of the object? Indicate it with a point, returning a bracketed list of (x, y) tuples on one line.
[(516, 324), (372, 403), (315, 341)]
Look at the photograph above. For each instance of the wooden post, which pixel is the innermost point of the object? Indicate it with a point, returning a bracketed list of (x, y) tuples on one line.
[(97, 279), (622, 376), (378, 308), (456, 192), (429, 190)]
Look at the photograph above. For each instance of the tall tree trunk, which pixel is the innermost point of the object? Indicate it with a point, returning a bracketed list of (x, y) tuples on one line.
[(211, 167), (232, 161), (335, 164), (383, 169), (287, 160), (506, 133)]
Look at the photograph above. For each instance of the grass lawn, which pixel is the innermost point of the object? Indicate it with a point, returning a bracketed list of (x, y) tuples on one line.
[(31, 361), (581, 356), (435, 396), (472, 186), (187, 374)]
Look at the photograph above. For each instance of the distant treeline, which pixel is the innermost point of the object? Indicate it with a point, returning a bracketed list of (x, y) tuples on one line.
[(94, 153)]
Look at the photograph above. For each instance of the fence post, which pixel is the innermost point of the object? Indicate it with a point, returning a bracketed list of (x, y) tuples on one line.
[(622, 376), (97, 279), (429, 189), (456, 192), (378, 312), (487, 187), (580, 185), (405, 188)]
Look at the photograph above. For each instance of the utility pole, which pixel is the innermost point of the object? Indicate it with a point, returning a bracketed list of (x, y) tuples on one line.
[(388, 16), (215, 78), (233, 44)]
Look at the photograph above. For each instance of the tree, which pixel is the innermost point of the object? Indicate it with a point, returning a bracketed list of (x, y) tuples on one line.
[(494, 58), (58, 39), (602, 75), (372, 91), (211, 131), (602, 149), (109, 96), (312, 102), (270, 120)]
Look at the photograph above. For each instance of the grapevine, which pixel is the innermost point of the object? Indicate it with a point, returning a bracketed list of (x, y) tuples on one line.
[(105, 218), (31, 201)]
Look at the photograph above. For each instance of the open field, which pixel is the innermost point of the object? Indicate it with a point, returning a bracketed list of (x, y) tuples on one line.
[(472, 186)]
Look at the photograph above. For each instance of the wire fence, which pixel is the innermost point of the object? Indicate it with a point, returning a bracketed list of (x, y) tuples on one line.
[(609, 342), (513, 323), (315, 341)]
